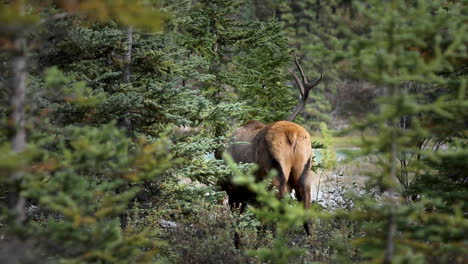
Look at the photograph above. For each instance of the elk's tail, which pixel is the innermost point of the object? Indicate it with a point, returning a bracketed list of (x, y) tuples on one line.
[(292, 138)]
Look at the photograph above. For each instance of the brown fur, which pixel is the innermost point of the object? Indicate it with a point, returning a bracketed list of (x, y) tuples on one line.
[(242, 149), (282, 145)]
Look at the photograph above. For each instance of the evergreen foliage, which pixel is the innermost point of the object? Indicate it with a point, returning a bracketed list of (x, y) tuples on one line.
[(414, 44), (111, 113)]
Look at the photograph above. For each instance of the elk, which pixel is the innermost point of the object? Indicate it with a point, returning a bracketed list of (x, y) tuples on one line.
[(283, 145)]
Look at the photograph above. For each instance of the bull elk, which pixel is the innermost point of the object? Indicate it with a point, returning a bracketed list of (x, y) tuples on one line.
[(282, 145)]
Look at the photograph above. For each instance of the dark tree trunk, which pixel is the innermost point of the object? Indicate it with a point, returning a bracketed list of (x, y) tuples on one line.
[(128, 55), (393, 203), (319, 7), (17, 203), (126, 72), (126, 122)]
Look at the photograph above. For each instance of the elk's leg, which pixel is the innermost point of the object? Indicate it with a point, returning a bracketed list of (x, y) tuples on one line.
[(281, 184), (303, 195), (281, 180)]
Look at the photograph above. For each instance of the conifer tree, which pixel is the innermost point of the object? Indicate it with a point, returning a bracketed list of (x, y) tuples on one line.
[(61, 171), (408, 45), (94, 93)]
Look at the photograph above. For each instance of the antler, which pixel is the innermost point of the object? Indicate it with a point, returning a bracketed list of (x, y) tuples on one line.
[(304, 88)]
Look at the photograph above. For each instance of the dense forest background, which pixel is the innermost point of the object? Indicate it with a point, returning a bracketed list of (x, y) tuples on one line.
[(111, 113)]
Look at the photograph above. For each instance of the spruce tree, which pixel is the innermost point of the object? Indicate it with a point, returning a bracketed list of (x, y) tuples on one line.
[(414, 51)]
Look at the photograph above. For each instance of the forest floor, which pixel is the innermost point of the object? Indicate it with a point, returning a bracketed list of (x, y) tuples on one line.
[(329, 187), (350, 173)]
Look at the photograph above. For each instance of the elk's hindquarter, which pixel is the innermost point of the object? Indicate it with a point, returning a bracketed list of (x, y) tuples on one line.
[(288, 145)]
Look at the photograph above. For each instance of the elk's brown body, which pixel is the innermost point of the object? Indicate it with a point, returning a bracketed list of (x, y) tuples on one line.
[(282, 145), (286, 147)]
